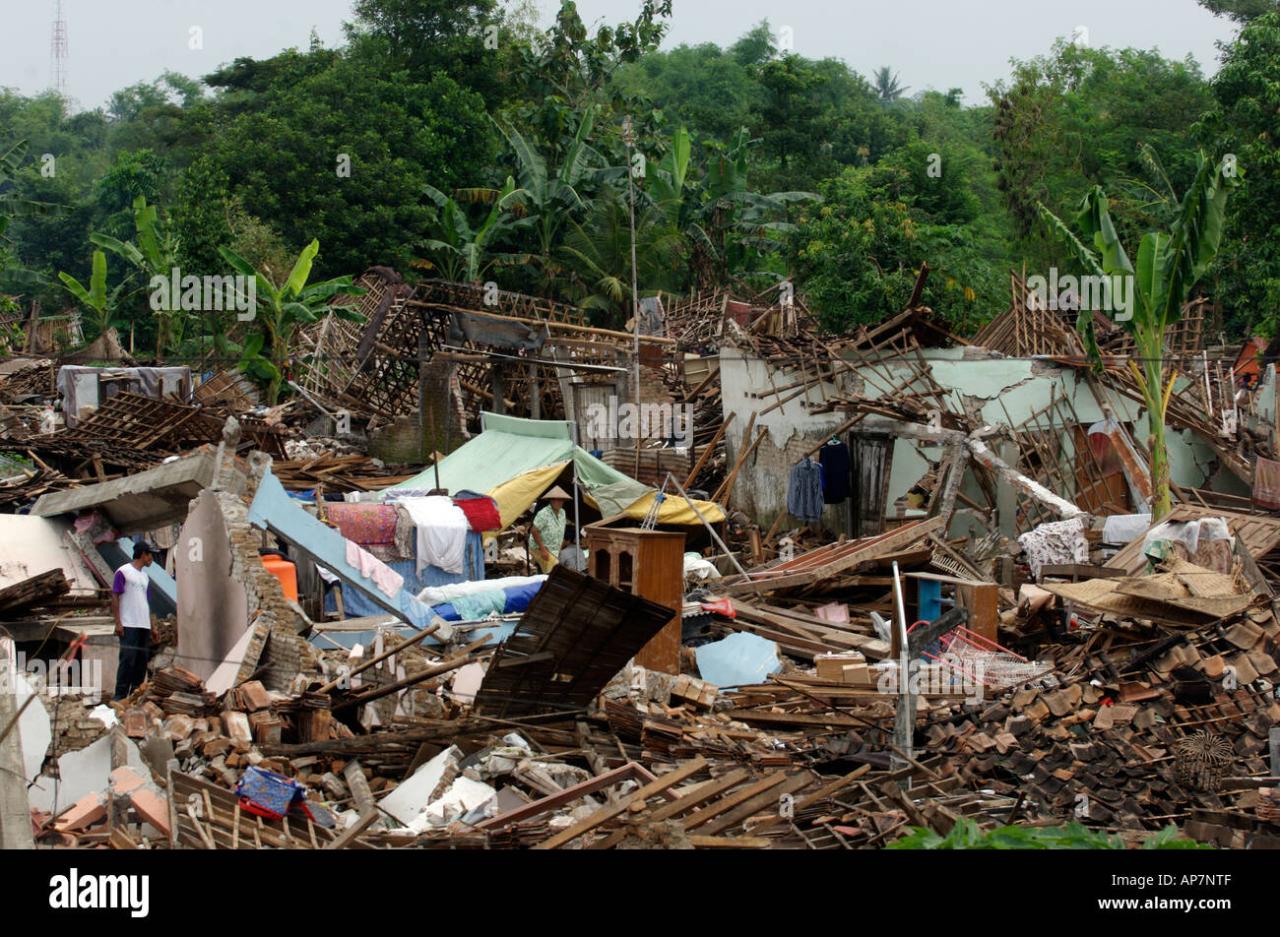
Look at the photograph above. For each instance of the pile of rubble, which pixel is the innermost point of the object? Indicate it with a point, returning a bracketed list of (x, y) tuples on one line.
[(1012, 640)]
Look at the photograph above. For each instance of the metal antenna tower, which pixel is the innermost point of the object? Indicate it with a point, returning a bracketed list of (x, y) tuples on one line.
[(59, 52)]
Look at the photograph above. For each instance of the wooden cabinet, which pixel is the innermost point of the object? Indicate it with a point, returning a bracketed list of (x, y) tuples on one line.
[(650, 564)]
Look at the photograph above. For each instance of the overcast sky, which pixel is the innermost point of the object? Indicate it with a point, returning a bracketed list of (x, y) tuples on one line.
[(932, 43)]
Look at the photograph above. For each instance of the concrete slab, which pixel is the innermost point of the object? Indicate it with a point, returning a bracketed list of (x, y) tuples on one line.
[(139, 502), (424, 786), (223, 677), (33, 545), (272, 509), (36, 732)]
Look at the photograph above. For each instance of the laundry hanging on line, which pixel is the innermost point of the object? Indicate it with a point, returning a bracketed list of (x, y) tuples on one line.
[(804, 491), (834, 457)]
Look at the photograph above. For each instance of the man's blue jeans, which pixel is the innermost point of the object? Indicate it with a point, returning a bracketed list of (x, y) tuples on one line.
[(135, 649)]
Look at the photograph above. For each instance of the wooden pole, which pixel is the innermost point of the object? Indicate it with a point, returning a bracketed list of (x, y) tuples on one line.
[(333, 684), (987, 459), (905, 711), (435, 456), (707, 452), (628, 137), (453, 663), (726, 487), (422, 396)]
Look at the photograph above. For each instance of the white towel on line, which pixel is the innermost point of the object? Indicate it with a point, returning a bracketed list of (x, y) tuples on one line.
[(442, 529)]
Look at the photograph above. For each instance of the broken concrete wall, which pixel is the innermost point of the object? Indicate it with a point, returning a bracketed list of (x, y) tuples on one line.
[(653, 390), (998, 391), (83, 386), (1264, 399), (30, 546), (244, 584), (213, 604), (408, 439), (1005, 391), (761, 486)]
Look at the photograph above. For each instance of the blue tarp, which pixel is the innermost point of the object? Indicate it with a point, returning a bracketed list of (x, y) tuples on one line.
[(272, 509), (357, 605), (508, 601), (741, 659)]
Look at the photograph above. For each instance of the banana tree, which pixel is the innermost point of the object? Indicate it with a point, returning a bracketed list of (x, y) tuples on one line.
[(727, 224), (549, 199), (1169, 266), (101, 303), (155, 252), (665, 186), (282, 309), (462, 253), (10, 164)]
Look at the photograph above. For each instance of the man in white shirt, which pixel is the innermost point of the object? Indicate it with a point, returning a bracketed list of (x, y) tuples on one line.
[(132, 613)]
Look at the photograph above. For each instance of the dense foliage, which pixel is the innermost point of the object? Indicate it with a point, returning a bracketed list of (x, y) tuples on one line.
[(1245, 122), (459, 139), (966, 835)]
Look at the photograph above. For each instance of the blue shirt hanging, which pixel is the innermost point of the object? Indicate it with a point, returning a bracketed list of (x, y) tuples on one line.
[(804, 491)]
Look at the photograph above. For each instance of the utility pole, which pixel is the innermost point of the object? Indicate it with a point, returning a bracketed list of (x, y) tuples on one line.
[(904, 721), (629, 138)]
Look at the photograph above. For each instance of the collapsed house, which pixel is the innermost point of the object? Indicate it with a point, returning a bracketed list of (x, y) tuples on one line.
[(842, 588)]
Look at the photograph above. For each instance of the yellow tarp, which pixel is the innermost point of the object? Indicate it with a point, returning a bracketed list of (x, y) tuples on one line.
[(515, 497), (675, 510)]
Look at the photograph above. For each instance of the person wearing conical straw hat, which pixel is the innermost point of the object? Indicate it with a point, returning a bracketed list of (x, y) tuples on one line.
[(546, 536)]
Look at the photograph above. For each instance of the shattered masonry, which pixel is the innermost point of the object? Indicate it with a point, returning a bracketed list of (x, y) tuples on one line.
[(716, 669)]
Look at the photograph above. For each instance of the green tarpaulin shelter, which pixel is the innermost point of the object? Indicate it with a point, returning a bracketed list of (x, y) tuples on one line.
[(516, 460)]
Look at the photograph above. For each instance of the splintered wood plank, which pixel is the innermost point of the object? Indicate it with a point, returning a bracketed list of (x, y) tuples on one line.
[(349, 835), (44, 587), (765, 784), (796, 719), (758, 803), (729, 842), (695, 798), (829, 561), (700, 795), (605, 814), (119, 839), (821, 794), (643, 772), (566, 796)]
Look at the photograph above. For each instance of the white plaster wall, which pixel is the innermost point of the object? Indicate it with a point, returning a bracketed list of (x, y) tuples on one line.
[(761, 487), (1005, 391)]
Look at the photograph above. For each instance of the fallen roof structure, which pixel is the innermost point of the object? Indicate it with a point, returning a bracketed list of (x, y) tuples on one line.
[(577, 633), (510, 350), (1059, 662)]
